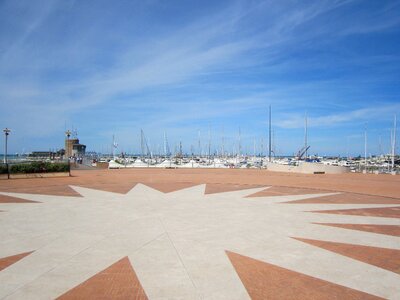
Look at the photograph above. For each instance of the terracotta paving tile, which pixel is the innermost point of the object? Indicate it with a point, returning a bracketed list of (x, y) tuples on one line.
[(122, 180), (168, 187), (382, 229), (9, 260), (266, 281), (350, 198), (9, 199), (213, 188), (119, 281), (384, 258), (39, 187), (284, 191), (124, 187), (386, 212), (121, 187)]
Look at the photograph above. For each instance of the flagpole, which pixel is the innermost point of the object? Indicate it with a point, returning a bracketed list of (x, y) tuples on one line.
[(113, 148)]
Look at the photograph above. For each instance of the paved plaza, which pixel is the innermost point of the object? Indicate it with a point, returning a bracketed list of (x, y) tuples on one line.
[(200, 234)]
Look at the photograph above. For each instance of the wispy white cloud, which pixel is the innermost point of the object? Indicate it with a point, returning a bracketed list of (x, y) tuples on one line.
[(32, 17), (383, 112), (229, 63)]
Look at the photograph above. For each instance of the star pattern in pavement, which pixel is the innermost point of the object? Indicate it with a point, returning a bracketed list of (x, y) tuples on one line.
[(177, 242)]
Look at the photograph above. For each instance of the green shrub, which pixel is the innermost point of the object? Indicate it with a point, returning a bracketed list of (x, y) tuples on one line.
[(3, 169), (57, 167), (39, 167)]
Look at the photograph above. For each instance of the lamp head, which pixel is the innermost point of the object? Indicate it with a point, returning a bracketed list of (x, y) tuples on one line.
[(6, 131)]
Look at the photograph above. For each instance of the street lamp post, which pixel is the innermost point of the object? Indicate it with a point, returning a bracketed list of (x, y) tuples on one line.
[(6, 133), (67, 134)]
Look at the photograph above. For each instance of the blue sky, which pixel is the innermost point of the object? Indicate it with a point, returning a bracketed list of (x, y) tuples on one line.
[(114, 67)]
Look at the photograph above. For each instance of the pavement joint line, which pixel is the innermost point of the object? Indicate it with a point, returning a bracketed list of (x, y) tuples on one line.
[(69, 259), (40, 235), (149, 242), (180, 258)]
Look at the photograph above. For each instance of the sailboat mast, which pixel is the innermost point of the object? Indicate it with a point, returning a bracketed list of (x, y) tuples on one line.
[(262, 147), (223, 144), (394, 142), (165, 144), (199, 144), (240, 144), (365, 147), (305, 135), (270, 136), (254, 149), (142, 142), (209, 143), (113, 147)]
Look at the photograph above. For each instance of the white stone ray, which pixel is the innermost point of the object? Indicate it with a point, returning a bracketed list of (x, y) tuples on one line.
[(43, 260), (310, 207), (195, 191), (142, 190), (348, 236), (236, 194), (137, 207), (161, 204), (40, 198), (211, 271), (351, 219), (289, 198), (8, 208), (21, 243), (36, 221), (161, 272), (89, 193), (326, 265), (90, 261), (65, 277)]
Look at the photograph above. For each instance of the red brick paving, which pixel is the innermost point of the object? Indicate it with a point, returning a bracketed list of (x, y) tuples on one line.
[(118, 281), (9, 260), (386, 212), (384, 258), (121, 188), (123, 180), (43, 186), (382, 229), (284, 191), (266, 281), (213, 188), (9, 199), (347, 198), (168, 187)]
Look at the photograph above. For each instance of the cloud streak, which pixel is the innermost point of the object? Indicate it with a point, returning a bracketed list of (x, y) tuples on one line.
[(75, 62), (382, 112)]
